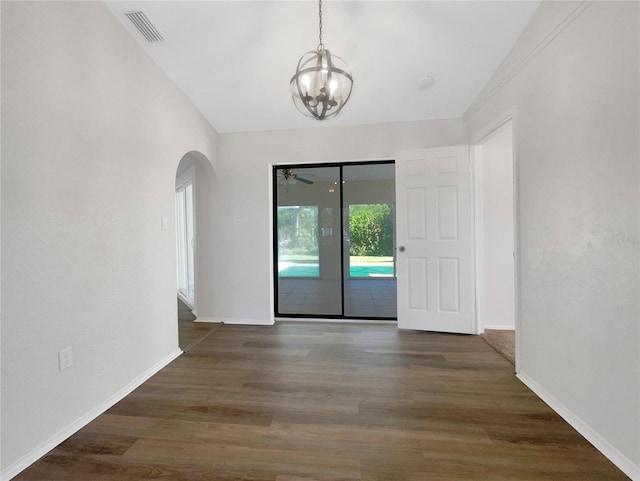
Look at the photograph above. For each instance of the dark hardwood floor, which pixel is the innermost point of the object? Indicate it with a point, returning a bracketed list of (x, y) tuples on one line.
[(301, 401)]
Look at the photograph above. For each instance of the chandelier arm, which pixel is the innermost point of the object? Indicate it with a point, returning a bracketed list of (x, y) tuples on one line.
[(324, 111)]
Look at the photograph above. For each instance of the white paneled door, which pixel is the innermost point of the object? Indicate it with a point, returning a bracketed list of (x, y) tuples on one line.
[(434, 240)]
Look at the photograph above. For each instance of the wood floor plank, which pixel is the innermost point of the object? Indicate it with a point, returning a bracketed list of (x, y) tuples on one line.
[(303, 401)]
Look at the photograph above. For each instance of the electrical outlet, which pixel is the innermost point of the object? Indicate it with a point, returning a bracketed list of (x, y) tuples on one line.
[(65, 358), (241, 223)]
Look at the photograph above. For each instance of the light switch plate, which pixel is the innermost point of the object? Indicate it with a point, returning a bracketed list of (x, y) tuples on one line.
[(65, 358)]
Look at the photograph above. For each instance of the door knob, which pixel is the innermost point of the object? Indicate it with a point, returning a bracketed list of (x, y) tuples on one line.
[(401, 248)]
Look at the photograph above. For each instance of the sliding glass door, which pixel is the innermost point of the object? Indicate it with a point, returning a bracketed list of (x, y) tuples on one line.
[(185, 241), (334, 240), (369, 197), (307, 240)]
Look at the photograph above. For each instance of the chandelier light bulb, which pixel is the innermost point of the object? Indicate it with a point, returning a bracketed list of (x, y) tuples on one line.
[(306, 81)]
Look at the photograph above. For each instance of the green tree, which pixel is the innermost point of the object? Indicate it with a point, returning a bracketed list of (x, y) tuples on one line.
[(371, 230), (298, 229)]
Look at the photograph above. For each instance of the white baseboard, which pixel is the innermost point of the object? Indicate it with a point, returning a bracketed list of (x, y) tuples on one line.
[(500, 327), (208, 319), (627, 466), (35, 454), (248, 322), (188, 302), (226, 320)]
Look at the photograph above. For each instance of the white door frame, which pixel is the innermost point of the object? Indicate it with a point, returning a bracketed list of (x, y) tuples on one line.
[(477, 139), (189, 176)]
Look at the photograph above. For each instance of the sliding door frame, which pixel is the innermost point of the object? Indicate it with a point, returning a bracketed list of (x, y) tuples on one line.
[(274, 238)]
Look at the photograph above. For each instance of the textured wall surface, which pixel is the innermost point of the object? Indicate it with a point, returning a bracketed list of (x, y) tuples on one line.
[(92, 133), (573, 78)]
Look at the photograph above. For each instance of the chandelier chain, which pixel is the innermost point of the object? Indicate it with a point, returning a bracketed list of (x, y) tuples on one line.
[(320, 45)]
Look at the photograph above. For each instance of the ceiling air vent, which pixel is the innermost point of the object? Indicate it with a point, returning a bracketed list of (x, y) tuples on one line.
[(140, 21)]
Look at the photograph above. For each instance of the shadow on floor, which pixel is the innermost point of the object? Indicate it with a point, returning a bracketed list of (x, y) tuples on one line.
[(190, 333)]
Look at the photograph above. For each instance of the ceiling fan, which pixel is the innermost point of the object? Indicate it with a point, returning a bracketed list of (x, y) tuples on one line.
[(288, 176)]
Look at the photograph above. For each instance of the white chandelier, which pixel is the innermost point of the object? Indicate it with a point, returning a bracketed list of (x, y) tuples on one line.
[(322, 83)]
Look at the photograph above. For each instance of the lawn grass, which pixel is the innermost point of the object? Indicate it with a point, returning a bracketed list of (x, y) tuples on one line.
[(371, 260)]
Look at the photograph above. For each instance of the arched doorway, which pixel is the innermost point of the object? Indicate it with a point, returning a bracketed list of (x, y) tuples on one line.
[(194, 230)]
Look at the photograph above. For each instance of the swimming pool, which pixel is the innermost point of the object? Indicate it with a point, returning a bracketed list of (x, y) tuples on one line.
[(371, 271), (313, 270), (300, 270)]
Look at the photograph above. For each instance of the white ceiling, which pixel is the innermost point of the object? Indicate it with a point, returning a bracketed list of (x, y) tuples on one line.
[(234, 59)]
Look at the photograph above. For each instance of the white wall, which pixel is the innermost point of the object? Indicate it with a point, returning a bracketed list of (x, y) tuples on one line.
[(496, 281), (573, 77), (242, 205), (92, 133)]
